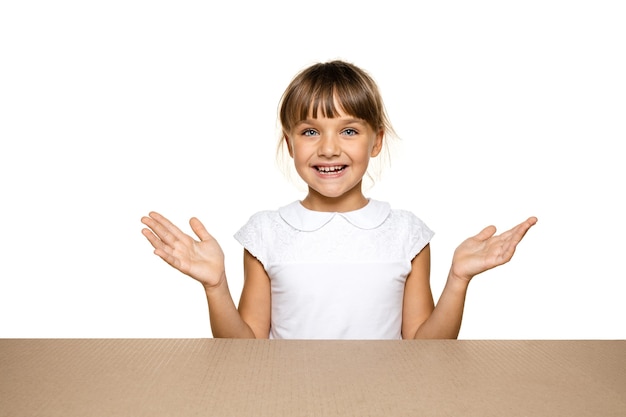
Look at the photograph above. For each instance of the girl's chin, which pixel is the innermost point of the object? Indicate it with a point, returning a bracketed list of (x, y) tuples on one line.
[(335, 200)]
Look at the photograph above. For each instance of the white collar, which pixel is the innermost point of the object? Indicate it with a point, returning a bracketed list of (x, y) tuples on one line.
[(369, 217)]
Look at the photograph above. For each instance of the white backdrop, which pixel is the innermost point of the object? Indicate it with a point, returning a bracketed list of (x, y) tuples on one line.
[(111, 109)]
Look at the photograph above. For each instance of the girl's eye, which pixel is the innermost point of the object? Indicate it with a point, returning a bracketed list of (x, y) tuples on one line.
[(309, 132), (350, 132)]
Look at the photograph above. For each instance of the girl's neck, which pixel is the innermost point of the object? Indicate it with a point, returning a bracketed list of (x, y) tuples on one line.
[(347, 202)]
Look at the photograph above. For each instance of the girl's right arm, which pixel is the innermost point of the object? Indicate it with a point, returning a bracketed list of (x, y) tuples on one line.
[(202, 260)]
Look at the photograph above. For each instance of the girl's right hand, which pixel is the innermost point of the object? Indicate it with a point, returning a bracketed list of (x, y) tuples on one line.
[(202, 260)]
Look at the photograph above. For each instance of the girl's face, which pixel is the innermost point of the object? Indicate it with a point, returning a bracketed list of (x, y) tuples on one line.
[(332, 156)]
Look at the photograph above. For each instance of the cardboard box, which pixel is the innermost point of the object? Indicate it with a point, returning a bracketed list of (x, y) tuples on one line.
[(224, 377)]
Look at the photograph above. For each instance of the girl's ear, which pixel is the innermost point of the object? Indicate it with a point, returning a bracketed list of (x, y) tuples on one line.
[(378, 143), (288, 143)]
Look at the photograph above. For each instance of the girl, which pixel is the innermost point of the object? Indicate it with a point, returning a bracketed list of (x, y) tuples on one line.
[(335, 265)]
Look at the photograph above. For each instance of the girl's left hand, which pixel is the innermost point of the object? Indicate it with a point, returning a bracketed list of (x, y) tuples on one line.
[(485, 251)]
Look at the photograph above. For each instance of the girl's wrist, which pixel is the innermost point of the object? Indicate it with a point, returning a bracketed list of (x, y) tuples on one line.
[(458, 281), (211, 288)]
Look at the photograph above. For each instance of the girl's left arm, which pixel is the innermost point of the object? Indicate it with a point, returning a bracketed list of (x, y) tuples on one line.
[(418, 303), (472, 257), (420, 318)]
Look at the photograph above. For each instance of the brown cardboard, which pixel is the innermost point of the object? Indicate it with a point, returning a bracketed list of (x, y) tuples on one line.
[(213, 377)]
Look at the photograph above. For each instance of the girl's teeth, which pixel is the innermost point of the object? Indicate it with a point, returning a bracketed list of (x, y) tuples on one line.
[(330, 169)]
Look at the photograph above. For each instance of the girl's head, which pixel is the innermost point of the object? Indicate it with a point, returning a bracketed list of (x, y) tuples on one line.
[(327, 90)]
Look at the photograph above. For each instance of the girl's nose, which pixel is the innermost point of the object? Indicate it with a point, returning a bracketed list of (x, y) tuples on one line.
[(328, 146)]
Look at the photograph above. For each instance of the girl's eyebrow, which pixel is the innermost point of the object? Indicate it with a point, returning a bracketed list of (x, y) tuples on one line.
[(355, 120)]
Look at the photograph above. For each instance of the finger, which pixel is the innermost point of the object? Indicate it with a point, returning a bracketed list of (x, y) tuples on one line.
[(519, 231), (486, 233), (199, 229), (157, 233), (513, 237), (163, 228), (152, 238), (160, 249)]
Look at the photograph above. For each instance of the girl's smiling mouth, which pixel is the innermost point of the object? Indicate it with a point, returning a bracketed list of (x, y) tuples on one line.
[(329, 170)]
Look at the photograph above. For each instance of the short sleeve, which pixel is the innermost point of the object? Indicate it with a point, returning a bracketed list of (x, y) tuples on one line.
[(252, 235), (419, 234)]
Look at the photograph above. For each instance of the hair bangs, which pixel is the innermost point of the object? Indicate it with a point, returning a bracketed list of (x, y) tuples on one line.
[(310, 100)]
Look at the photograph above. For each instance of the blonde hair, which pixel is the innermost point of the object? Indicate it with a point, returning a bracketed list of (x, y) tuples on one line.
[(320, 88)]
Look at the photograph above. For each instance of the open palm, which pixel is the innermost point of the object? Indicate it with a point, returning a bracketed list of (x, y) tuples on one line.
[(487, 250), (201, 259)]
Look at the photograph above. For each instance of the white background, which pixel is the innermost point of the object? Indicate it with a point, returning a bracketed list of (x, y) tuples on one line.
[(111, 109)]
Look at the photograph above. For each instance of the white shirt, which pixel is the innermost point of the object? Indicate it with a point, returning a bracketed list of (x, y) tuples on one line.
[(336, 275)]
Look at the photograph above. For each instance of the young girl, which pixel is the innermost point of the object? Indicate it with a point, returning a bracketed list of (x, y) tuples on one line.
[(335, 265)]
